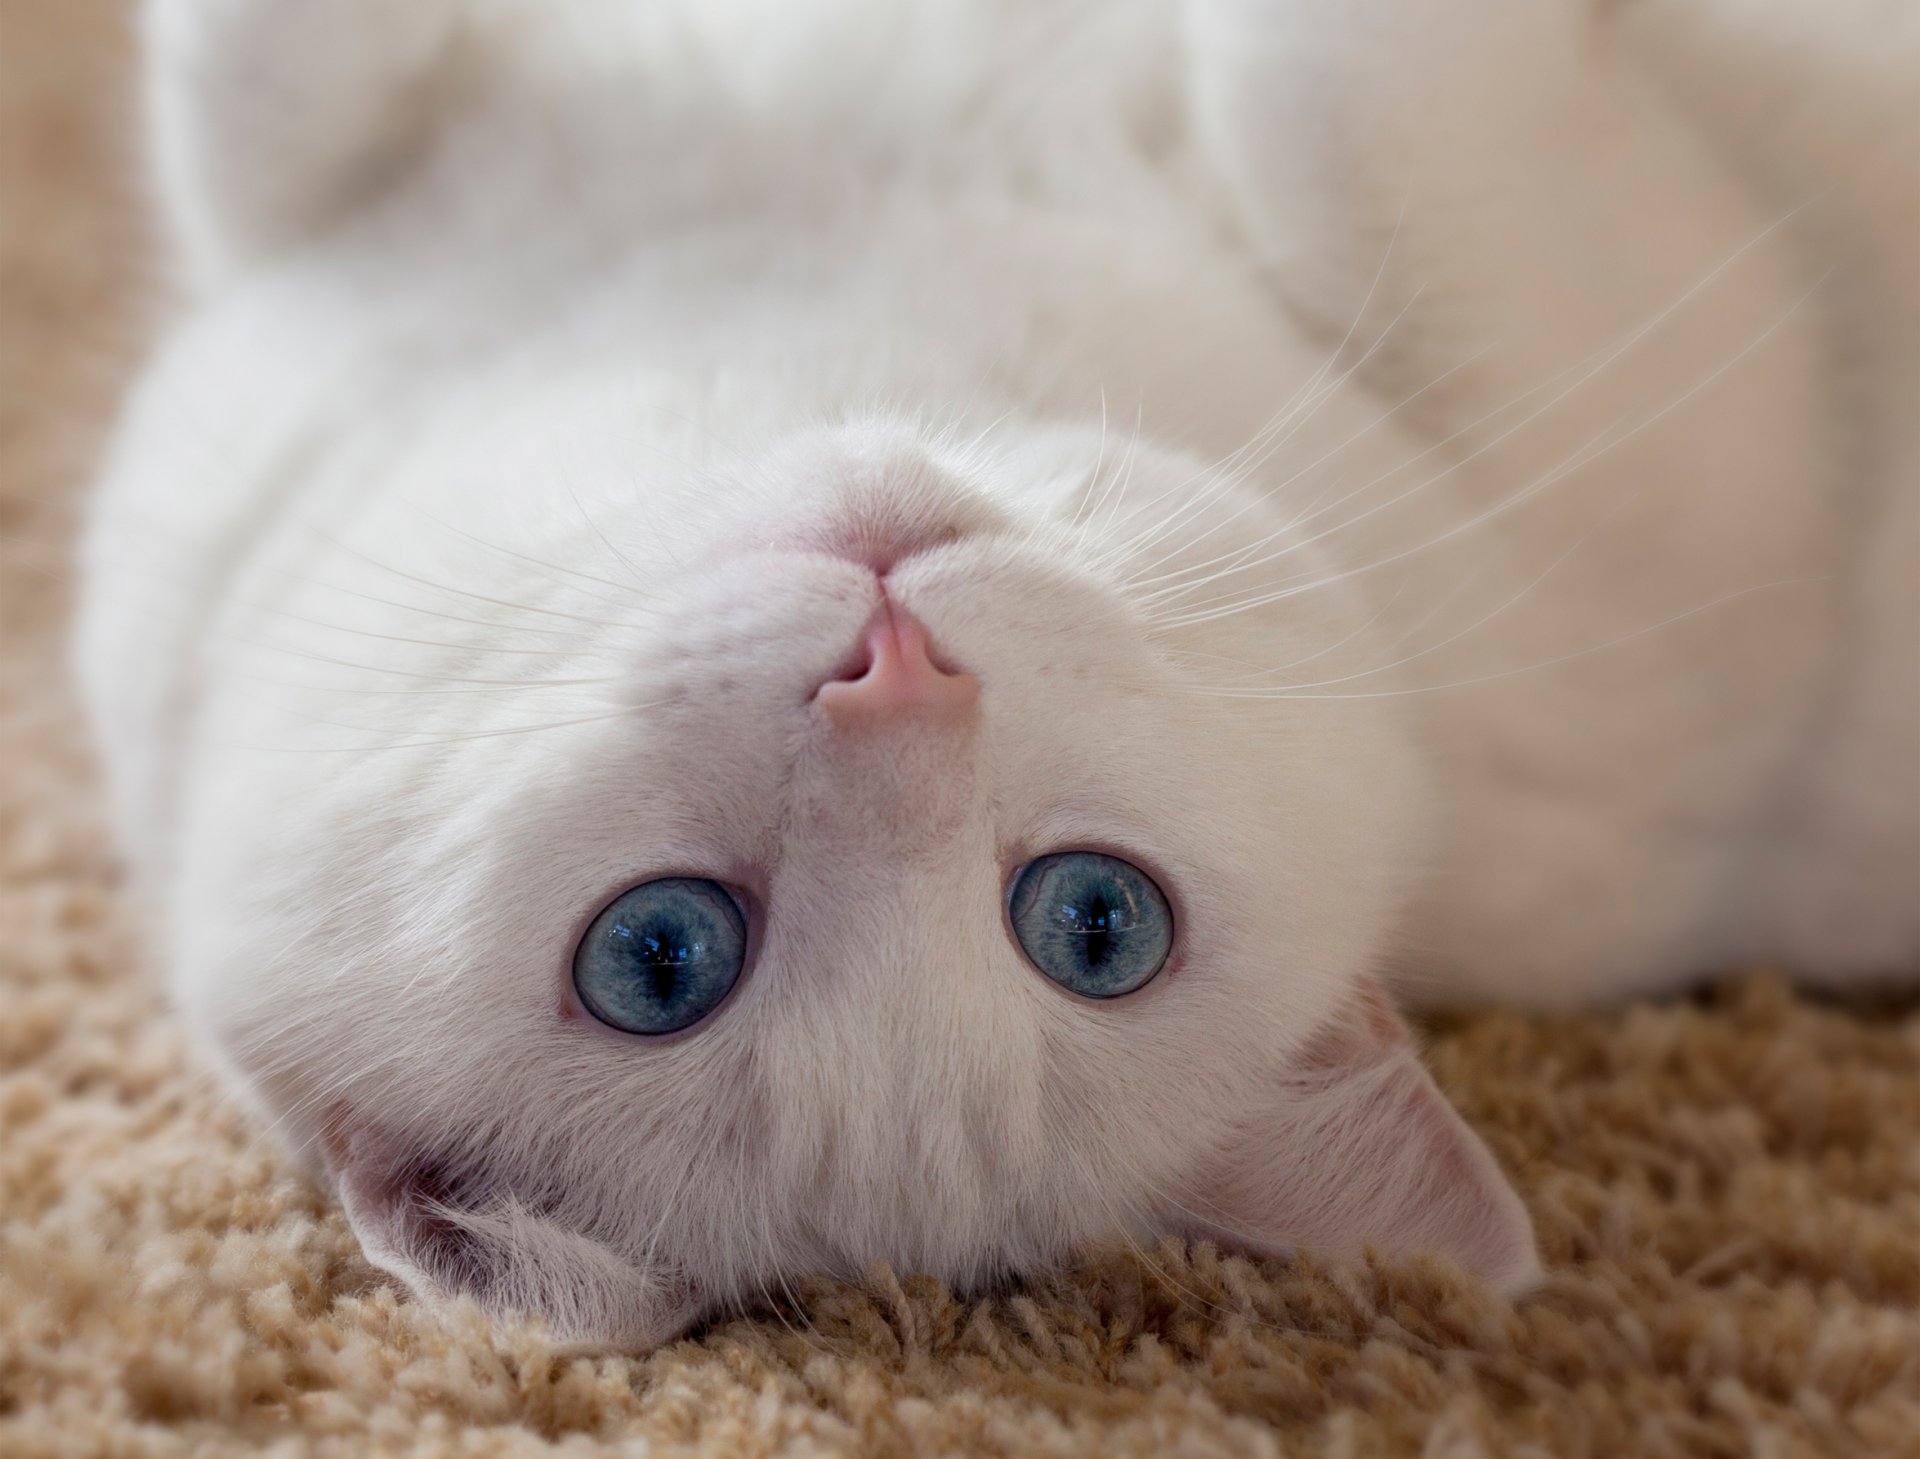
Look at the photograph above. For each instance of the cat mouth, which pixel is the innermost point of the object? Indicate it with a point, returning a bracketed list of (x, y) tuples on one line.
[(880, 514), (880, 543)]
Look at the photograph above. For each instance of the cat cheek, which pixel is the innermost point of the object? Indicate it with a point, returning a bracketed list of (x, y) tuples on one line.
[(449, 1238), (1359, 1148)]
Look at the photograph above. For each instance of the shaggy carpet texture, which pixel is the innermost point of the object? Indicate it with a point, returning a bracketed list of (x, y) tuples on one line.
[(1726, 1188)]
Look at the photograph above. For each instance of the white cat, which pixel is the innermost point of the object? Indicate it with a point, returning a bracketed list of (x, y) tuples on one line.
[(744, 638)]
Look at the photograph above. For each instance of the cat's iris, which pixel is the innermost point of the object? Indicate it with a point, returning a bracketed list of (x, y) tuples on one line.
[(1097, 925), (661, 956)]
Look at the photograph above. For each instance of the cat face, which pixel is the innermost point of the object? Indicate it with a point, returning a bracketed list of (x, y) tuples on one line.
[(845, 690)]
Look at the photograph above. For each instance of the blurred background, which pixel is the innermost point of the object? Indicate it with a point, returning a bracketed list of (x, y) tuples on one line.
[(72, 260)]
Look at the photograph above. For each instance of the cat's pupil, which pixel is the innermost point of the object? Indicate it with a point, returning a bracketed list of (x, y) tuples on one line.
[(661, 957), (1098, 924)]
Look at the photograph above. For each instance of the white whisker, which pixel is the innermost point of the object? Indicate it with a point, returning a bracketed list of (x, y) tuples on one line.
[(1608, 439), (553, 567), (401, 573), (627, 712), (1722, 601)]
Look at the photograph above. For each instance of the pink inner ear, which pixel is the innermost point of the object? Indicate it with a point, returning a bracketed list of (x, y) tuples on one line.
[(1359, 1148), (459, 1238)]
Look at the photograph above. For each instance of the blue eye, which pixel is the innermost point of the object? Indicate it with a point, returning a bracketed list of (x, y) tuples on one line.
[(661, 956), (1096, 925)]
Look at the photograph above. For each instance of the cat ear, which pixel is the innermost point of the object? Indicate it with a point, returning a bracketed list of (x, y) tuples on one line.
[(444, 1241), (1359, 1148)]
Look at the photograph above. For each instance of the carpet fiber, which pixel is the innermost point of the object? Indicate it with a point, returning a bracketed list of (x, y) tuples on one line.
[(1727, 1189)]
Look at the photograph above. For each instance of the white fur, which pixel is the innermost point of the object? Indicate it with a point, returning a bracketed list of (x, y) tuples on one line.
[(1404, 492)]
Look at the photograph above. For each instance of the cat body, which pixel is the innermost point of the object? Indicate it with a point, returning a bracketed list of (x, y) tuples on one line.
[(1396, 491)]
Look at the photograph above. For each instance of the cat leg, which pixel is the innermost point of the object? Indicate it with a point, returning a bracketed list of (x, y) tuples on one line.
[(1617, 356), (1496, 173), (271, 119)]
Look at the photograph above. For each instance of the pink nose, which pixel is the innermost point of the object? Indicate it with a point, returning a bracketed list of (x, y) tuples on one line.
[(896, 677)]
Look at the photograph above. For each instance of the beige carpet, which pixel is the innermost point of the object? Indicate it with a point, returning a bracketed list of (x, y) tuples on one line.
[(1728, 1192)]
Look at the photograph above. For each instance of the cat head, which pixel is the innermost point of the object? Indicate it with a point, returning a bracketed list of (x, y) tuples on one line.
[(859, 850)]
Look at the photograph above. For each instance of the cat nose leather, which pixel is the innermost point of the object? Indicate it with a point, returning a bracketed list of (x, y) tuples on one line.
[(894, 678)]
